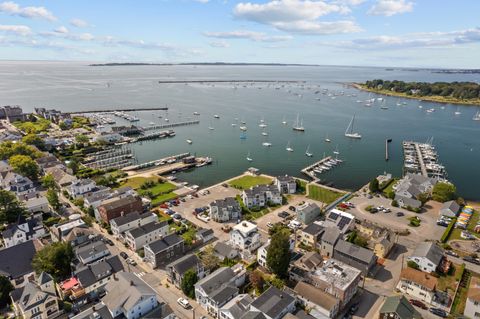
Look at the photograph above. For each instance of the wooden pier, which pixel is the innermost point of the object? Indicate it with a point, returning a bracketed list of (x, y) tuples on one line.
[(100, 110), (423, 168), (169, 125), (155, 162), (309, 169)]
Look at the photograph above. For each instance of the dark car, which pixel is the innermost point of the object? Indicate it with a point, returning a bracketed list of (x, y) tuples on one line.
[(353, 308), (292, 208), (439, 312), (451, 253), (225, 185), (109, 242), (124, 255), (283, 214), (472, 260), (418, 304), (400, 214)]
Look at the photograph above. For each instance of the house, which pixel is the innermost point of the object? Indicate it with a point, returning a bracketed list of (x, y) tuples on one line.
[(177, 269), (91, 252), (37, 204), (60, 231), (320, 303), (79, 236), (123, 223), (138, 237), (16, 262), (245, 237), (428, 256), (342, 220), (286, 184), (329, 239), (304, 265), (274, 303), (97, 311), (412, 185), (223, 250), (261, 195), (335, 278), (80, 187), (356, 256), (23, 230), (236, 308), (450, 209), (381, 240), (407, 202), (307, 213), (398, 307), (417, 284), (60, 176), (262, 252), (37, 299), (20, 185), (90, 279), (48, 161), (311, 235), (165, 250), (116, 207), (205, 235), (95, 197), (216, 289), (224, 210), (12, 113), (130, 296), (472, 307)]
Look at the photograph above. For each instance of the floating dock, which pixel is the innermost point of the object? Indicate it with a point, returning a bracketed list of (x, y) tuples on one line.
[(309, 169), (422, 159)]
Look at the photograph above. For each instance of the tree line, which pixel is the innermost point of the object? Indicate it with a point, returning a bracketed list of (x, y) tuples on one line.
[(458, 90)]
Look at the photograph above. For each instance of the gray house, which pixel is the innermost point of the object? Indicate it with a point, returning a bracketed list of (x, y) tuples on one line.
[(274, 303), (307, 213), (223, 210), (361, 258), (329, 240), (163, 251), (450, 209), (178, 268)]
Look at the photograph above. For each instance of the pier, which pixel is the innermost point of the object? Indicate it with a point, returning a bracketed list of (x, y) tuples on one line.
[(161, 161), (153, 136), (99, 110), (309, 169), (423, 169), (169, 125), (116, 157), (422, 159)]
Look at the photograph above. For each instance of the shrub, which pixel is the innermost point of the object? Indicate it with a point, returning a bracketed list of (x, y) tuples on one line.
[(412, 264), (448, 231), (394, 203)]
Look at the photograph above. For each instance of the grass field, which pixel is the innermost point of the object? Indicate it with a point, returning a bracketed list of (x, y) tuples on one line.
[(136, 182), (161, 192), (322, 194), (248, 181)]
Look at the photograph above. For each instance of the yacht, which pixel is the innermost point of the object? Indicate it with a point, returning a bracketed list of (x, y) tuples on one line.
[(298, 125), (307, 152), (264, 133), (189, 141), (289, 148), (196, 113), (327, 139), (216, 116), (249, 158), (284, 122), (166, 120), (349, 131), (211, 128), (267, 144), (243, 128)]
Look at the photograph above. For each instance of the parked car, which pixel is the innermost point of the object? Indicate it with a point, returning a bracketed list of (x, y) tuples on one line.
[(472, 260), (400, 214), (123, 255), (283, 214), (294, 224), (292, 208), (183, 302), (418, 304), (131, 262), (451, 253), (269, 225), (227, 229), (225, 185), (109, 242), (439, 312)]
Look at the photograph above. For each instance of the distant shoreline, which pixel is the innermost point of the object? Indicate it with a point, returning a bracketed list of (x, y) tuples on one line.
[(437, 99), (202, 64)]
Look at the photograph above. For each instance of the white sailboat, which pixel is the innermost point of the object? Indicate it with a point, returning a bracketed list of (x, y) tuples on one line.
[(298, 125), (336, 152), (267, 144), (477, 116), (284, 122), (327, 139), (349, 131), (264, 133), (384, 106), (457, 112), (307, 152), (249, 158), (289, 148)]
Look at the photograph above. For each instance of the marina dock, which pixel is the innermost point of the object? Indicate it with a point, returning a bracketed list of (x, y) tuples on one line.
[(169, 125), (309, 170), (422, 158), (106, 110)]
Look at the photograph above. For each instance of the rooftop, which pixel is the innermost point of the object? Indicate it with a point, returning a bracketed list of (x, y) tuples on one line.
[(273, 302), (400, 306), (146, 229), (316, 295), (16, 261), (429, 250), (162, 244), (245, 227), (337, 274), (125, 219), (419, 277)]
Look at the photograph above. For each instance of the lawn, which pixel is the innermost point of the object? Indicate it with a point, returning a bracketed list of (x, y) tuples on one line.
[(136, 182), (455, 234), (160, 192), (449, 281), (389, 189), (41, 125), (460, 300), (248, 181), (322, 194), (163, 198)]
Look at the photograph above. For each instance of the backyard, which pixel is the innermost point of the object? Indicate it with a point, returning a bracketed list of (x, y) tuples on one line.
[(248, 181), (322, 194), (154, 188)]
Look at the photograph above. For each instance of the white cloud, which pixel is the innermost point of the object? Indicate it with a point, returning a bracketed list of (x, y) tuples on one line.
[(22, 30), (390, 7), (12, 8), (219, 44), (202, 1), (299, 16), (61, 29), (251, 35), (79, 23)]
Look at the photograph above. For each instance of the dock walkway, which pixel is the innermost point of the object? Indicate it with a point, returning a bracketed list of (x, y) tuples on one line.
[(423, 168), (169, 125), (309, 169), (100, 110)]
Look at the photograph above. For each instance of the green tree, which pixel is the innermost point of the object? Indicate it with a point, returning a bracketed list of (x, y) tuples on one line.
[(10, 207), (443, 192), (278, 254), (9, 149), (35, 140), (48, 181), (209, 260), (24, 165), (74, 165), (54, 259), (52, 198), (374, 186), (189, 280), (423, 197), (257, 281), (5, 288), (81, 139), (412, 264)]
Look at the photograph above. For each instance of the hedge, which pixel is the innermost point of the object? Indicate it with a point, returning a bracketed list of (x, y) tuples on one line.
[(448, 231)]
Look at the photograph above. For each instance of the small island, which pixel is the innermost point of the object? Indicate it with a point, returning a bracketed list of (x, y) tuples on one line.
[(443, 92)]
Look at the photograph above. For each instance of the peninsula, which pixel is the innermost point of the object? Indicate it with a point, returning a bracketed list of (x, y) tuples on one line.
[(467, 93)]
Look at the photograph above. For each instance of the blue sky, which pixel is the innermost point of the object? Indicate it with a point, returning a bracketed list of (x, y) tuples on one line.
[(416, 33)]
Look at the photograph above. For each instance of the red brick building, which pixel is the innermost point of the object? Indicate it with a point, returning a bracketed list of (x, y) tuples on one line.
[(116, 207)]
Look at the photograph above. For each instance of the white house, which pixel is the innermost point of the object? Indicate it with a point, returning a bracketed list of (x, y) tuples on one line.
[(262, 252), (80, 187), (261, 195), (320, 303), (223, 210), (138, 237), (472, 307), (123, 223), (417, 284), (22, 231), (91, 252), (245, 237), (427, 255), (18, 184), (286, 184)]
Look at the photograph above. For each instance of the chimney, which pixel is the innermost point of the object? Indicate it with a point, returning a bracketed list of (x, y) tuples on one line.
[(132, 283)]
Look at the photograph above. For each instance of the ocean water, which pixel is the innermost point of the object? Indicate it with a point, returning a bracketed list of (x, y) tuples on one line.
[(76, 87)]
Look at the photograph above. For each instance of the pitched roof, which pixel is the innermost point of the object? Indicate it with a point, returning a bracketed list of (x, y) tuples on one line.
[(474, 289), (238, 306), (116, 202), (315, 295), (146, 229), (86, 251), (29, 296), (355, 251), (165, 242), (223, 249), (99, 270), (16, 261), (451, 205), (331, 235), (185, 263), (226, 203), (205, 232), (419, 277), (215, 280), (400, 306), (429, 250), (44, 278), (314, 229), (125, 219), (273, 302)]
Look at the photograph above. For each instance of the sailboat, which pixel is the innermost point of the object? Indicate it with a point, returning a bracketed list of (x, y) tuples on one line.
[(336, 152), (284, 122), (289, 148), (249, 158), (398, 102), (189, 141), (384, 106), (349, 131), (298, 125), (477, 116), (307, 152), (327, 139), (457, 112), (264, 133)]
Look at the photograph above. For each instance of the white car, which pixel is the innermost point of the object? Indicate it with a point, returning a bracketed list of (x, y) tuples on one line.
[(269, 225), (294, 224), (183, 302)]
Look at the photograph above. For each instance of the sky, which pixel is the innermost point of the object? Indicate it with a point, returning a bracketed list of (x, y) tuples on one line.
[(399, 33)]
